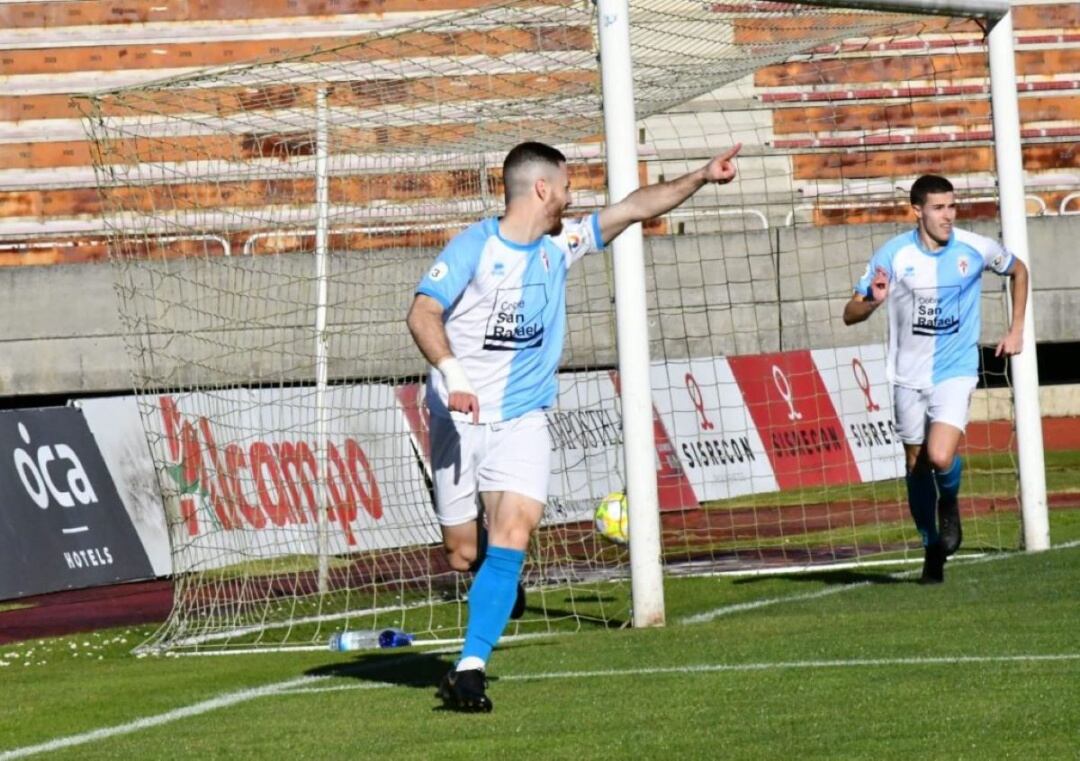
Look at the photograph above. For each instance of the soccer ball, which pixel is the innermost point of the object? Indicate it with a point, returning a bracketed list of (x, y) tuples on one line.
[(613, 518)]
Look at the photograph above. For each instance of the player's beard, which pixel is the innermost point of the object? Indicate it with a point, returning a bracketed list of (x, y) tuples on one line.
[(557, 221)]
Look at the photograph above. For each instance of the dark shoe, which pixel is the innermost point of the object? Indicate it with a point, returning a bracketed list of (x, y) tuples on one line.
[(933, 569), (949, 526), (464, 691), (519, 603)]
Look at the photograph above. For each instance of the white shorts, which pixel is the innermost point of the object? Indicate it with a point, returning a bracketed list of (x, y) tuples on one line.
[(513, 455), (947, 402)]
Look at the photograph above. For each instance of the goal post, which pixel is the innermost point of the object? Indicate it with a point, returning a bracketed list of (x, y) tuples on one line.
[(270, 221), (620, 121), (631, 311), (1025, 370)]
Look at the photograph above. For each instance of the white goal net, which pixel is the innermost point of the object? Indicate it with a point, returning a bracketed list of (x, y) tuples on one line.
[(270, 221)]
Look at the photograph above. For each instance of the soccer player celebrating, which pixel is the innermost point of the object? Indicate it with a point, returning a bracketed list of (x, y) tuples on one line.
[(490, 317), (931, 278)]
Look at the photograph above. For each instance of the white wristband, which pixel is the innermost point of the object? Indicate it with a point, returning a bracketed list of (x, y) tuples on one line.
[(454, 375)]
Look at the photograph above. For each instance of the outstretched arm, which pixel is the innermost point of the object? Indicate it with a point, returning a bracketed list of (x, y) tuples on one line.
[(654, 200), (426, 325), (1013, 342)]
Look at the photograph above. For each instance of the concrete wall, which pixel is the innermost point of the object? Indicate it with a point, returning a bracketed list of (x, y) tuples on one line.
[(247, 319)]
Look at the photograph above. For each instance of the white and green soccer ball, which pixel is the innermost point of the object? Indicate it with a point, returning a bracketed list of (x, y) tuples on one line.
[(613, 519)]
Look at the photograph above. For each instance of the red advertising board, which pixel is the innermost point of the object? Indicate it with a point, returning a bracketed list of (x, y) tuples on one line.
[(795, 417), (673, 489)]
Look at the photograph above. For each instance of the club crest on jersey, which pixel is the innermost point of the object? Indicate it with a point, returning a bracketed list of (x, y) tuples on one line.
[(909, 271), (573, 242), (439, 271), (996, 263), (498, 269), (962, 264)]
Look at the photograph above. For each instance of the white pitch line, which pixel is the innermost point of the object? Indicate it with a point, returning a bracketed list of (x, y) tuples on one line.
[(712, 668), (727, 610), (300, 686), (820, 567), (447, 642), (206, 706)]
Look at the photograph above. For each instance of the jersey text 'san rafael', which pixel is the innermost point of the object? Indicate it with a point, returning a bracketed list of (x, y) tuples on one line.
[(933, 304), (505, 313)]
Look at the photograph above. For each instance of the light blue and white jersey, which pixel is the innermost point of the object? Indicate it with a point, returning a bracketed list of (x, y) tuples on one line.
[(505, 313), (933, 303)]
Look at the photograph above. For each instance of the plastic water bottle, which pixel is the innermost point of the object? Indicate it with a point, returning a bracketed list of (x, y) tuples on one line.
[(368, 640)]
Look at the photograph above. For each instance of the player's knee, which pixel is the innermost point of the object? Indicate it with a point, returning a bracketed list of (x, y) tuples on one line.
[(517, 537), (515, 534), (461, 559), (941, 461)]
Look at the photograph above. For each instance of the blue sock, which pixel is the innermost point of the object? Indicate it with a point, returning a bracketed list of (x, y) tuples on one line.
[(491, 599), (948, 481), (922, 499)]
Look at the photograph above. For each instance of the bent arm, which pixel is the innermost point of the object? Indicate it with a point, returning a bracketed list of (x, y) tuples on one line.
[(426, 325), (428, 331), (1018, 288), (1013, 342), (858, 309), (660, 198)]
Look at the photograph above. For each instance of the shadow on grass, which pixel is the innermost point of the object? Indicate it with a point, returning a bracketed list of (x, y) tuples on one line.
[(583, 618), (907, 575), (405, 668), (842, 577)]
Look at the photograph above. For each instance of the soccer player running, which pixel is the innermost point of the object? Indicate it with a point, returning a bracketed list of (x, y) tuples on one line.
[(931, 278), (490, 317)]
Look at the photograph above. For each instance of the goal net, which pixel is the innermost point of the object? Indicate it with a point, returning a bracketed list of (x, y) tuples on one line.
[(270, 221)]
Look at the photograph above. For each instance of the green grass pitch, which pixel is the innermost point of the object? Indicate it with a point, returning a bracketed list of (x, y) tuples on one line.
[(857, 663)]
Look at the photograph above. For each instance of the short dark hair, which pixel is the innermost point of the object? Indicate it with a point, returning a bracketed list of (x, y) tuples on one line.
[(518, 160), (927, 184)]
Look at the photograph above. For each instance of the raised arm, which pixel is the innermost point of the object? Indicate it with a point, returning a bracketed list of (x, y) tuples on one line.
[(426, 325), (660, 198), (1013, 342)]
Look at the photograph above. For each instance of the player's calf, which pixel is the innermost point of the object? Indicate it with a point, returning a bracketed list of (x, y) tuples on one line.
[(948, 506)]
